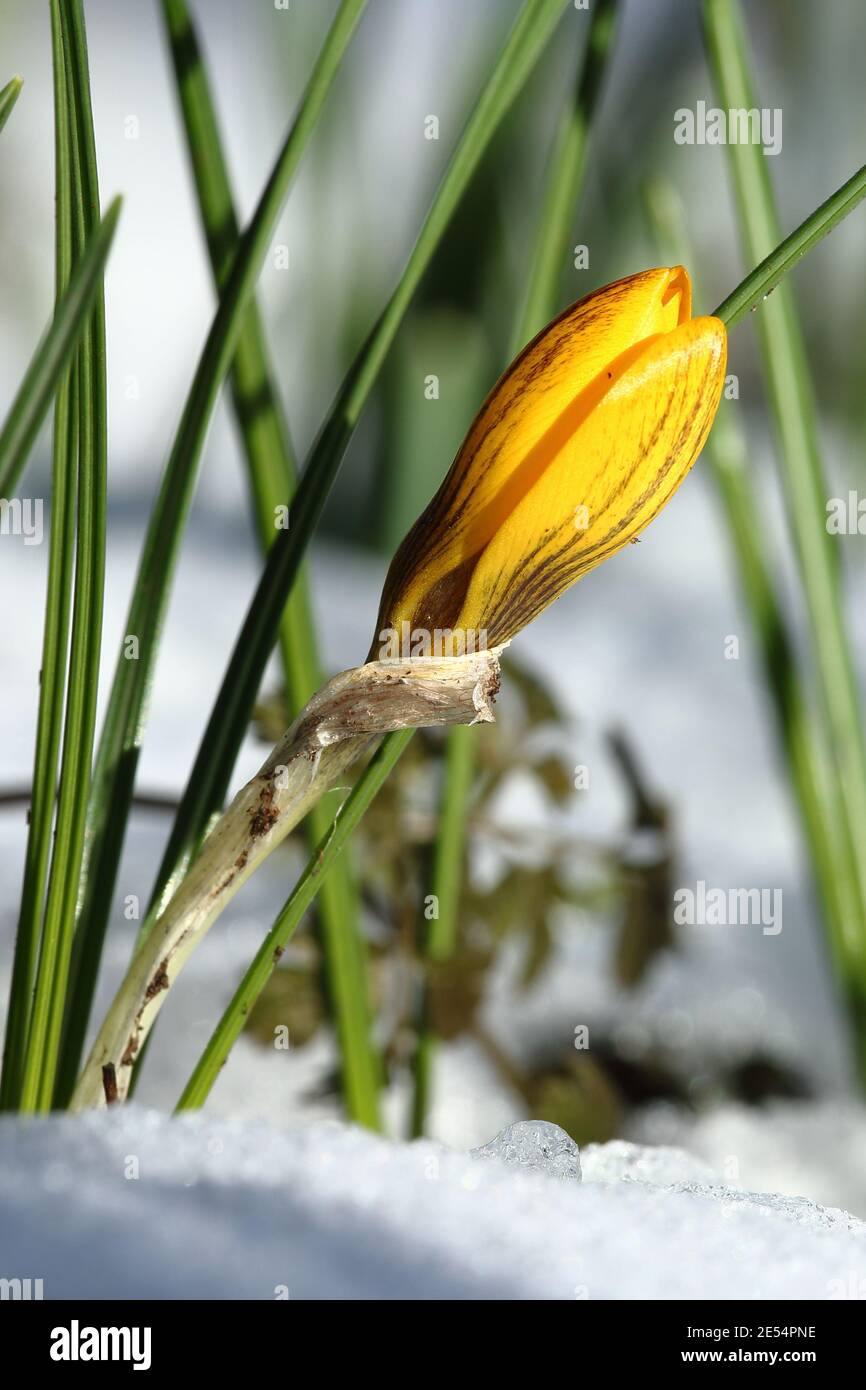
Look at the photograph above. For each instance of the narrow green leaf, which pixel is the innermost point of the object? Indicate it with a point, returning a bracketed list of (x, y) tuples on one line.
[(772, 269), (446, 884), (802, 736), (125, 719), (56, 627), (40, 382), (787, 378), (80, 719), (272, 473), (564, 178)]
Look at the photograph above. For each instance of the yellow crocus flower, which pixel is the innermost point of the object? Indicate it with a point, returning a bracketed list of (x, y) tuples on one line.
[(578, 446)]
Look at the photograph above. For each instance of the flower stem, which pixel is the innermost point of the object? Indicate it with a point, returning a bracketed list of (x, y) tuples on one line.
[(354, 709), (321, 863)]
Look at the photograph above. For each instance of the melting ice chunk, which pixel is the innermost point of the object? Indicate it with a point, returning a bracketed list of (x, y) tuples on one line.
[(535, 1144)]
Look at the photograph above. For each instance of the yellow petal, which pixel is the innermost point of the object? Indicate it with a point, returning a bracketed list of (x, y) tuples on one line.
[(583, 351), (603, 481)]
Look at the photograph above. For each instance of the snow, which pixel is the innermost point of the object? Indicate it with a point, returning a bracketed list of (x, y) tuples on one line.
[(814, 1148), (662, 1165), (133, 1204)]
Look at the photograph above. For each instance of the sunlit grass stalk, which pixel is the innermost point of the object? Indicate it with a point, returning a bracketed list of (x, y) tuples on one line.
[(125, 720), (790, 393), (43, 1044), (801, 734), (229, 719), (272, 476), (563, 180)]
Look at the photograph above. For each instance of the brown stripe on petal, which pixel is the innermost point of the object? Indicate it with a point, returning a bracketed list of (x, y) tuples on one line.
[(430, 539), (524, 593), (551, 581), (524, 601), (458, 519), (502, 625), (440, 606), (513, 582)]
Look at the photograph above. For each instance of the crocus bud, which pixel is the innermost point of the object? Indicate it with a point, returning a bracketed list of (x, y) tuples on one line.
[(578, 446)]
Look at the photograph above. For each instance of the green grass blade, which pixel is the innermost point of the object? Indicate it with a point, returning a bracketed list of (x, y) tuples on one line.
[(309, 884), (272, 474), (766, 276), (564, 178), (8, 97), (80, 718), (802, 741), (51, 358), (125, 719), (56, 627), (209, 779), (801, 735), (563, 181), (446, 884), (48, 736), (789, 388)]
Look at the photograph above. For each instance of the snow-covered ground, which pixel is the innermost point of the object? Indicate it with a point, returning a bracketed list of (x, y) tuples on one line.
[(131, 1204)]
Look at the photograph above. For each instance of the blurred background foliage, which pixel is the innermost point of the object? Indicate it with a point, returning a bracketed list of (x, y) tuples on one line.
[(628, 880), (361, 193)]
